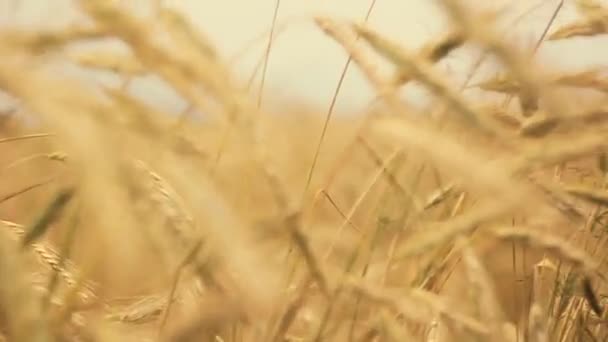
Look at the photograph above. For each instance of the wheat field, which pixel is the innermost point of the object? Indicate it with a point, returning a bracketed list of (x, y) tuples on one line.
[(464, 220)]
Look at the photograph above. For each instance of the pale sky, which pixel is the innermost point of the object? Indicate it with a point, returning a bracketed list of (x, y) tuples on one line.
[(306, 64)]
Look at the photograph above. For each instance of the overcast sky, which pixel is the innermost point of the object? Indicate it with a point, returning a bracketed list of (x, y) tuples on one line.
[(304, 63)]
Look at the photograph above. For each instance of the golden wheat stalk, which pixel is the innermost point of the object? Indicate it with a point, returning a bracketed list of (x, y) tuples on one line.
[(162, 60), (481, 31), (48, 41), (554, 245), (49, 257), (122, 64), (169, 203), (434, 52), (483, 287), (591, 26), (590, 78), (421, 70), (348, 40), (418, 305)]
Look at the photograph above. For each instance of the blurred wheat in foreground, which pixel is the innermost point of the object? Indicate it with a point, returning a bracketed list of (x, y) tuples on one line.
[(464, 221)]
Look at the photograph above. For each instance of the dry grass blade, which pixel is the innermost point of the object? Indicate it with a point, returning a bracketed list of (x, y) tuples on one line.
[(591, 297), (55, 156), (48, 216), (170, 298), (438, 196), (390, 176), (291, 311), (330, 110), (279, 28), (313, 263), (382, 169), (340, 212), (27, 189), (267, 53), (348, 39), (26, 137)]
